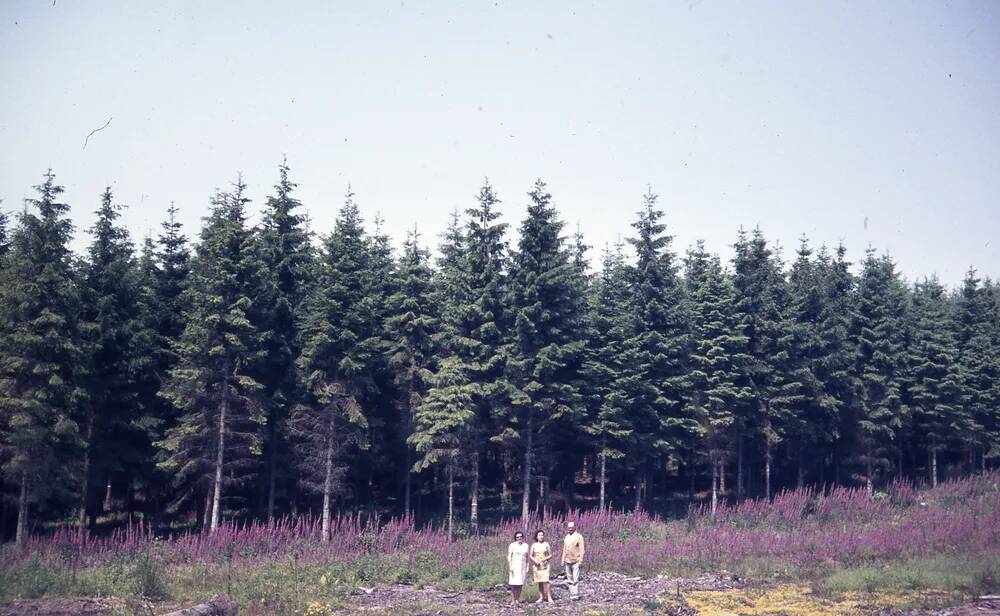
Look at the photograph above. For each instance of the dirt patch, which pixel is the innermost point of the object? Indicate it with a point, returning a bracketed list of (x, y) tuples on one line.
[(600, 593), (68, 607)]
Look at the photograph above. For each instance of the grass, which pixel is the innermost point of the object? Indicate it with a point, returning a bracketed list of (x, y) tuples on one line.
[(810, 551), (950, 574)]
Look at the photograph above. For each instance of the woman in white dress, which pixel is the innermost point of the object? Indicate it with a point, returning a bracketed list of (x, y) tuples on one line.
[(517, 566)]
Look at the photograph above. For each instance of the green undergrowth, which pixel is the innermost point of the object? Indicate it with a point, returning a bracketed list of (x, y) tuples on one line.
[(946, 573), (273, 586), (289, 587)]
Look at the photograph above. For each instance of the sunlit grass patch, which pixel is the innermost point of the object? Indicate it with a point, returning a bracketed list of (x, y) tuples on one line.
[(951, 574), (801, 600)]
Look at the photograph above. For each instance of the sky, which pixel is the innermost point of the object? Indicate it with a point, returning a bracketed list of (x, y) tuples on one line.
[(871, 123)]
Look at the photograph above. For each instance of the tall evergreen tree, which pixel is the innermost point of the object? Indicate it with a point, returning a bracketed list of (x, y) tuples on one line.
[(166, 273), (834, 360), (118, 422), (287, 259), (382, 438), (215, 445), (483, 324), (173, 259), (814, 418), (5, 242), (934, 373), (337, 352), (661, 342), (608, 356), (979, 367), (411, 325), (41, 354), (546, 349), (718, 388), (771, 370), (878, 331), (445, 425)]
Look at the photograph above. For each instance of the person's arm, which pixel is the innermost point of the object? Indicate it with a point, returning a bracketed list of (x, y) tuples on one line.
[(583, 549), (564, 561)]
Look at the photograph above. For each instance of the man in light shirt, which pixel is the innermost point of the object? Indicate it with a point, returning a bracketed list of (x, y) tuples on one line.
[(572, 558)]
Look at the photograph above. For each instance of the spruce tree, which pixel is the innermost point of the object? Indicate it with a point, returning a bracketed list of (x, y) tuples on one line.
[(718, 388), (166, 277), (118, 422), (545, 349), (771, 370), (446, 424), (338, 349), (991, 417), (411, 324), (381, 438), (41, 354), (607, 361), (287, 258), (833, 363), (482, 327), (215, 444), (979, 367), (660, 341), (173, 259), (878, 332), (5, 242), (934, 373), (814, 417)]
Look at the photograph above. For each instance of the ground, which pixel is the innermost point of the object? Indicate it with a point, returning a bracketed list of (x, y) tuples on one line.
[(603, 593)]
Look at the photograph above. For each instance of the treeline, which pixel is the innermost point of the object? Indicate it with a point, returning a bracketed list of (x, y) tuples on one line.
[(263, 370)]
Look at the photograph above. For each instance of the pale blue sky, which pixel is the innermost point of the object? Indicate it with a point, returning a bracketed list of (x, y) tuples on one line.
[(800, 117)]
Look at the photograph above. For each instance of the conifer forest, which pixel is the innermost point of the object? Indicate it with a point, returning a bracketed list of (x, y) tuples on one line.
[(258, 368)]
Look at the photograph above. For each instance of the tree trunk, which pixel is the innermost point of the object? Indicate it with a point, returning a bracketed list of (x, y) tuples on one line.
[(408, 470), (638, 490), (22, 512), (107, 497), (801, 479), (328, 475), (715, 481), (526, 496), (407, 481), (739, 467), (474, 496), (767, 459), (81, 523), (869, 480), (505, 483), (604, 478), (206, 516), (934, 470), (272, 471), (451, 500), (220, 453), (722, 476)]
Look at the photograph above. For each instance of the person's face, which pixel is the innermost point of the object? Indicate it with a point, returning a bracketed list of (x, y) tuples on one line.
[(519, 538), (541, 537), (570, 529)]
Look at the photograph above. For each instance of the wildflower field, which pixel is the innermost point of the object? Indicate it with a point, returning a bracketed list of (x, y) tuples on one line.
[(841, 540)]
